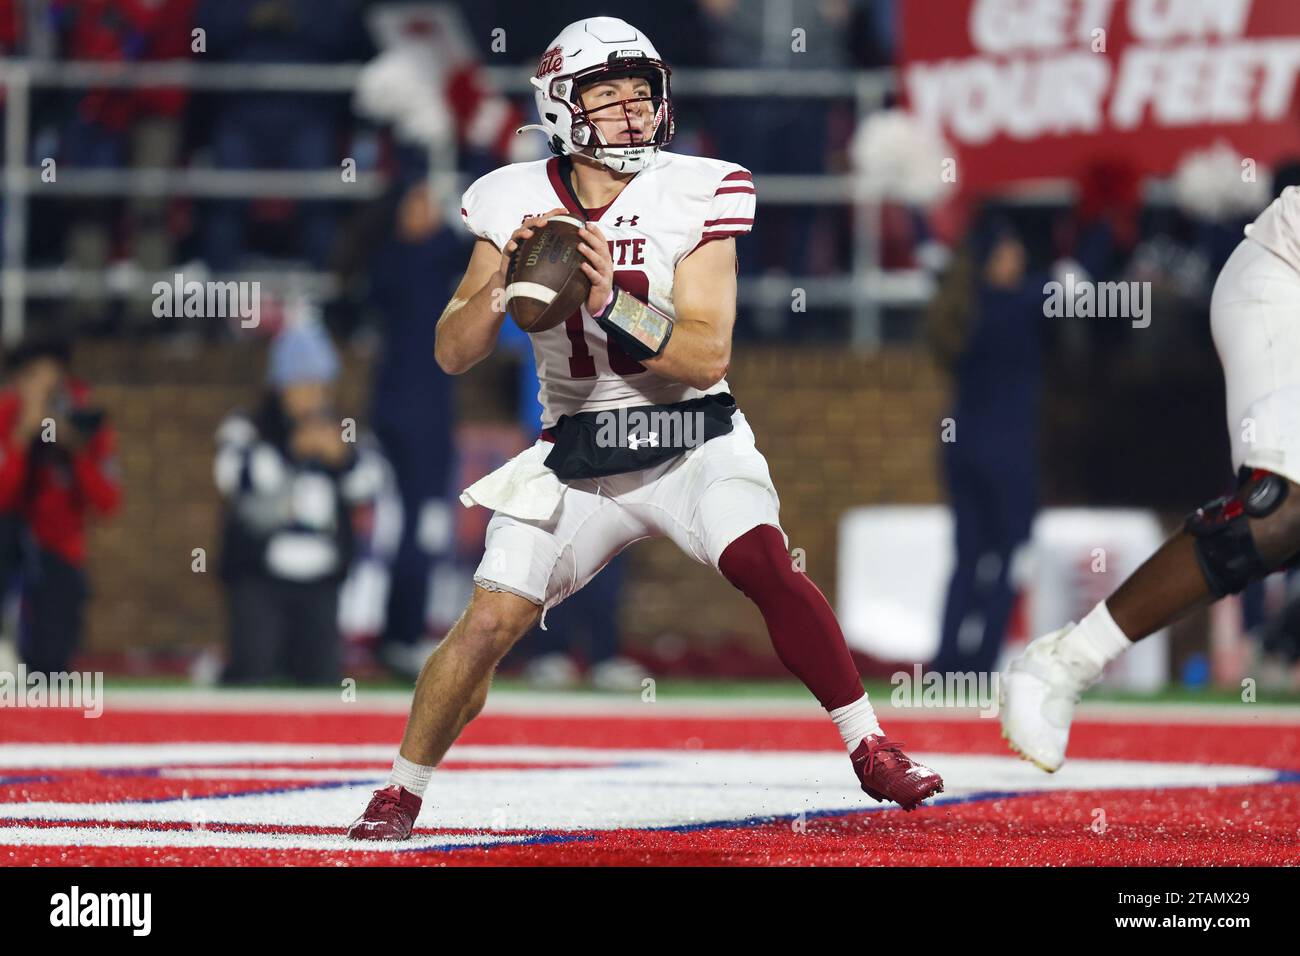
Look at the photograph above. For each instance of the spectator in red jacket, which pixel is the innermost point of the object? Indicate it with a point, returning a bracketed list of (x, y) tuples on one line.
[(56, 466)]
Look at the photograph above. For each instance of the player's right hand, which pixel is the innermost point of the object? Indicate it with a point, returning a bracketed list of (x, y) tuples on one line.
[(523, 234)]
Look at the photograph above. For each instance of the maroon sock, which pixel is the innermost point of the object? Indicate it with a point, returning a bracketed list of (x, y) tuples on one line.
[(807, 638)]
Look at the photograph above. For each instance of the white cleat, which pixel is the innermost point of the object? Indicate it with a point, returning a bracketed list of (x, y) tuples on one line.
[(1036, 699)]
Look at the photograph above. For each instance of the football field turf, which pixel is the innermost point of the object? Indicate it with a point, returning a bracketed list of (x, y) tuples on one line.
[(178, 776)]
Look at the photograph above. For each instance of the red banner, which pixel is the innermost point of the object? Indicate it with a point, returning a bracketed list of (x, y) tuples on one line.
[(1027, 89)]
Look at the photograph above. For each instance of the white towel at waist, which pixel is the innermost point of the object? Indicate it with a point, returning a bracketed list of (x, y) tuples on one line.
[(523, 487)]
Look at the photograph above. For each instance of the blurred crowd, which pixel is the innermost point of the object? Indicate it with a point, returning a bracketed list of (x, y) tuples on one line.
[(175, 128), (179, 129), (985, 327), (304, 506)]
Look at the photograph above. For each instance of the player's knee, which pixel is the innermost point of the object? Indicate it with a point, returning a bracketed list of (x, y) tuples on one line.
[(757, 562), (1277, 535), (1245, 536), (493, 624)]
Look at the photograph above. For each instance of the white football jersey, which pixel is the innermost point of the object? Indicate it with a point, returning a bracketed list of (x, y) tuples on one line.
[(662, 215), (1277, 228)]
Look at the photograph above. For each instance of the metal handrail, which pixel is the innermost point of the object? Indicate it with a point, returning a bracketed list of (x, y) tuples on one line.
[(206, 184), (864, 290), (342, 78), (893, 288)]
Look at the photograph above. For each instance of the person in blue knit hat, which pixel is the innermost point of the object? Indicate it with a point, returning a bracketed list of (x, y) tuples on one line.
[(303, 354), (302, 490)]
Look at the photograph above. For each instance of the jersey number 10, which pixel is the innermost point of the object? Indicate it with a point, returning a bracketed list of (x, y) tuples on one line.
[(581, 364)]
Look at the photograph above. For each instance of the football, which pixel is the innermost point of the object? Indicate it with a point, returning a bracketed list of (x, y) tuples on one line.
[(545, 283)]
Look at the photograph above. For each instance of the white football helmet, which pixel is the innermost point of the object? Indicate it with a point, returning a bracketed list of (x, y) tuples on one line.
[(596, 49)]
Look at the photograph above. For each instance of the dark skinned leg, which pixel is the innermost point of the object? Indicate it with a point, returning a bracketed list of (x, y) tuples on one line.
[(1170, 584)]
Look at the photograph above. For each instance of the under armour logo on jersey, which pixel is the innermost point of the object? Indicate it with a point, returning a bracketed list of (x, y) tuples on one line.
[(651, 439), (631, 221)]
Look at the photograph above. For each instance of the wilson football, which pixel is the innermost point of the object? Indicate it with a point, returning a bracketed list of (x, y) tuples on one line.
[(545, 283)]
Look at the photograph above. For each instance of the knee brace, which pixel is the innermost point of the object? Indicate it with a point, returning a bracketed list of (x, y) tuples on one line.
[(1225, 544)]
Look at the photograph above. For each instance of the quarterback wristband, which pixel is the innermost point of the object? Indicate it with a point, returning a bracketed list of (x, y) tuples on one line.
[(641, 329)]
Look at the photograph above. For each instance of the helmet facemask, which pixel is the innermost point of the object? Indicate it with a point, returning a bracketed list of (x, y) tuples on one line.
[(654, 111)]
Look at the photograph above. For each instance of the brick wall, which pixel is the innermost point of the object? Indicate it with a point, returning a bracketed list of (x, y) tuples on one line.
[(838, 430)]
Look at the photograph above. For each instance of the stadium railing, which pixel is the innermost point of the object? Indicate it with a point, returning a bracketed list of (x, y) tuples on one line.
[(863, 292)]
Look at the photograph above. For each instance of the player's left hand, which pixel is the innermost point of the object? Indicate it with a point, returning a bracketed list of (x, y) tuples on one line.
[(599, 267)]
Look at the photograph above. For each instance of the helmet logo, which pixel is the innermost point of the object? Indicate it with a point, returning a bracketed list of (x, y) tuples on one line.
[(552, 61)]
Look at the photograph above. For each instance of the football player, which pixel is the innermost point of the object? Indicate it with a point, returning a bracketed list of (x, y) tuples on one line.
[(1222, 546), (658, 236)]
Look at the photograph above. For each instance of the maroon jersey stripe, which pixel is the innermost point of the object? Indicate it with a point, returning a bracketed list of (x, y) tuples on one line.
[(562, 190), (567, 198)]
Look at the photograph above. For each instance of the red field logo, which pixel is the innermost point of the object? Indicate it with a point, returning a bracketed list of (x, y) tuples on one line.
[(552, 61)]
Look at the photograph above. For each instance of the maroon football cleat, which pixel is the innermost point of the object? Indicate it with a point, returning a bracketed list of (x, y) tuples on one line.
[(390, 815), (889, 774)]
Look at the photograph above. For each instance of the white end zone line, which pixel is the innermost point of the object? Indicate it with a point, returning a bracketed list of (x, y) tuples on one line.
[(614, 789)]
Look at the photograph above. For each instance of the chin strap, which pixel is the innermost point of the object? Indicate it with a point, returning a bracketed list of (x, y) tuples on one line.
[(645, 162)]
